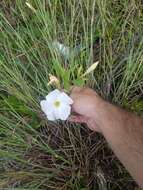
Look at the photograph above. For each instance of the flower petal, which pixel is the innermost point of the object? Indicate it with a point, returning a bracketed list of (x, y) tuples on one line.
[(63, 97), (51, 116), (57, 113), (53, 95), (46, 106), (64, 112)]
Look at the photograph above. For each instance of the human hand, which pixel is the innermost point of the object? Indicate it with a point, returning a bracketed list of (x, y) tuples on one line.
[(85, 106)]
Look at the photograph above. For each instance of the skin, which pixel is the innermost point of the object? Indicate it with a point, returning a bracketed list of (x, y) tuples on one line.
[(122, 130)]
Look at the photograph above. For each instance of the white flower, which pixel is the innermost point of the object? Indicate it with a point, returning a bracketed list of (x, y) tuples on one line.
[(57, 105)]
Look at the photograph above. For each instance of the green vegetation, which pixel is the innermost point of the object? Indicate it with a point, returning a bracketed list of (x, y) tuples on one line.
[(39, 155)]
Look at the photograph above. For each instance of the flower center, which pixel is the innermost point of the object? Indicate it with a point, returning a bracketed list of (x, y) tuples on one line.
[(57, 104)]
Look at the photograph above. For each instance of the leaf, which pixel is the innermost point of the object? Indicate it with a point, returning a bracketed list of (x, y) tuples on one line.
[(91, 68), (137, 106), (79, 82)]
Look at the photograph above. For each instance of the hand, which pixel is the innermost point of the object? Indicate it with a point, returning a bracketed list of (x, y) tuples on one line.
[(85, 102), (83, 119), (122, 130)]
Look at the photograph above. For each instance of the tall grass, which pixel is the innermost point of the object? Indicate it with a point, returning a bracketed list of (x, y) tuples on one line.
[(35, 153)]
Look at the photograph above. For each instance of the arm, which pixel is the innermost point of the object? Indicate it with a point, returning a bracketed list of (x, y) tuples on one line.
[(122, 130)]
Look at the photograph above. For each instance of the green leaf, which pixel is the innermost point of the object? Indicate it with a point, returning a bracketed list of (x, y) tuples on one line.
[(79, 82)]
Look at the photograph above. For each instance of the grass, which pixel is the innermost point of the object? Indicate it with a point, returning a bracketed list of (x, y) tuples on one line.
[(36, 154)]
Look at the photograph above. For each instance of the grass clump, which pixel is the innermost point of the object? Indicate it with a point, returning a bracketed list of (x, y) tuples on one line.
[(39, 155)]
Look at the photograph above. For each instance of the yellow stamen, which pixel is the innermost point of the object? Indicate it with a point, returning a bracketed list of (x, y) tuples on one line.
[(57, 104)]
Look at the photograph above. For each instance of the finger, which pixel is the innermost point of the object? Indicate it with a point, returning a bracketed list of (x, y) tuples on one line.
[(72, 109), (75, 89), (77, 119), (93, 126)]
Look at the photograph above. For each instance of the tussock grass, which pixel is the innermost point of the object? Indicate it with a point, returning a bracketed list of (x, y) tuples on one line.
[(36, 154)]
